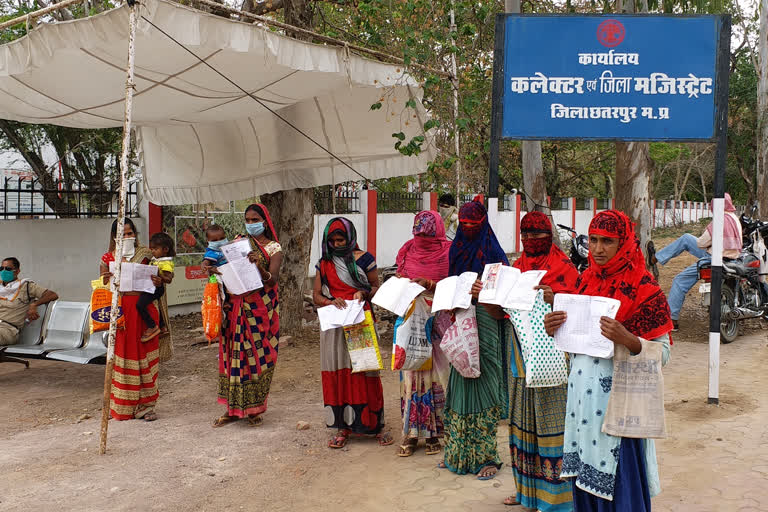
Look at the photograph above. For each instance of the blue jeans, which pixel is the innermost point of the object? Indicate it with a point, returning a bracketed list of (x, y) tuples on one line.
[(687, 242), (686, 279)]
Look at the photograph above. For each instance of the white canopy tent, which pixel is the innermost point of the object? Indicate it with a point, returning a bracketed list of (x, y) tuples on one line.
[(200, 138)]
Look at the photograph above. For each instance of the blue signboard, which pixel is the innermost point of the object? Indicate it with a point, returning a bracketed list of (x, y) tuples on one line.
[(619, 77)]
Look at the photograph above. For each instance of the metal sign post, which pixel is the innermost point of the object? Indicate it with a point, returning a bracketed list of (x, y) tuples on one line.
[(621, 77)]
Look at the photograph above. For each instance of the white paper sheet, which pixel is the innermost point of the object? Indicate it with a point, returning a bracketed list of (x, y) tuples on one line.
[(580, 334), (454, 292), (237, 250), (240, 276), (135, 277), (396, 294), (508, 287), (332, 317)]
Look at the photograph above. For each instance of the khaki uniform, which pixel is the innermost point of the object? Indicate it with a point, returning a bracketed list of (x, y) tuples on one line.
[(13, 313)]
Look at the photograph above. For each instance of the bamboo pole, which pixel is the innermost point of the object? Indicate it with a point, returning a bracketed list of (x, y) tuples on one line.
[(455, 85), (129, 88)]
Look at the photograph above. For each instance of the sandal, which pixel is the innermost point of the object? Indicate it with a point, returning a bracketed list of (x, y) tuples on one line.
[(385, 439), (339, 440), (433, 446), (407, 449), (511, 501), (150, 416), (487, 476), (254, 421), (149, 334), (223, 420)]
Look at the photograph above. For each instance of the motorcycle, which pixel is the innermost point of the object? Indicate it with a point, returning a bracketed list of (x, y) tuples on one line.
[(744, 294), (579, 252)]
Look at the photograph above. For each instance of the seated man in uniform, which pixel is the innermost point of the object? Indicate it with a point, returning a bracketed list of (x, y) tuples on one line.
[(19, 299)]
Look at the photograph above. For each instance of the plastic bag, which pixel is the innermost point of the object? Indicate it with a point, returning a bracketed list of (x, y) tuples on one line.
[(461, 344), (412, 349), (363, 346), (544, 363), (101, 307), (636, 405), (211, 310)]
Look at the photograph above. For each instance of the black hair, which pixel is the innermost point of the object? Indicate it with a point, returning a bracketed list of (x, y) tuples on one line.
[(214, 228), (113, 233), (447, 199), (258, 208), (163, 240), (15, 262)]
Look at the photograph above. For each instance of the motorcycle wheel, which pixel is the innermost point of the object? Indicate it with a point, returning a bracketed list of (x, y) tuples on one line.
[(729, 329)]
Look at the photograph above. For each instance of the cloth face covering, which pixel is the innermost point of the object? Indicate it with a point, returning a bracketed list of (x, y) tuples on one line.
[(474, 246)]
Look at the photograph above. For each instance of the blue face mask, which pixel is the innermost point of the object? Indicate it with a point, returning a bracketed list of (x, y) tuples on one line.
[(6, 275), (255, 229), (216, 245)]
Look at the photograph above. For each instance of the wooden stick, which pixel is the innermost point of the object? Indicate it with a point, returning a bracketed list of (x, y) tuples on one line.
[(129, 88), (38, 13)]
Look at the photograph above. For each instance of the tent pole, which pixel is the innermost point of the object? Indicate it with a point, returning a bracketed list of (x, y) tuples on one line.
[(38, 13), (129, 88), (455, 84)]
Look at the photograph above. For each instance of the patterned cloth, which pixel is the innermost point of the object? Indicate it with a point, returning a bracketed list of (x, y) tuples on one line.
[(248, 353), (590, 455), (353, 401), (644, 310), (425, 256), (134, 380), (475, 406), (542, 254), (475, 244)]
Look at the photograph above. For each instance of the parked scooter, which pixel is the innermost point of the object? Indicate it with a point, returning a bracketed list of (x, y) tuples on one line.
[(579, 252), (743, 294)]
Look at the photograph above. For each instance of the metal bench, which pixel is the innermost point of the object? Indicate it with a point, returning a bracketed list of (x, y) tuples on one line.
[(94, 351), (31, 336), (65, 329)]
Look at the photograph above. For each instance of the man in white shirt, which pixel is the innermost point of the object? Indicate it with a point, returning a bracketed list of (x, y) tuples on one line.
[(19, 299)]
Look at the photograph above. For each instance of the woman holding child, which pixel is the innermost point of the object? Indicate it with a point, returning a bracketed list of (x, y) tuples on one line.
[(248, 352), (134, 381)]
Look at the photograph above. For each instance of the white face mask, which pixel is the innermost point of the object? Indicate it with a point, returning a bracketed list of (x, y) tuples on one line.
[(129, 247)]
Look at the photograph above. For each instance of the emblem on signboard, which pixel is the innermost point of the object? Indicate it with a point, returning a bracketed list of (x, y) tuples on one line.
[(610, 33)]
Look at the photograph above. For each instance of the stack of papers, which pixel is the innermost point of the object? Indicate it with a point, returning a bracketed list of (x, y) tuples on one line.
[(239, 274), (454, 292), (580, 334), (396, 294), (135, 277), (509, 288), (332, 317)]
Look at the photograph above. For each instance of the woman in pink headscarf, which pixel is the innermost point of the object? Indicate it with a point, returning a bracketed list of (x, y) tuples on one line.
[(424, 259)]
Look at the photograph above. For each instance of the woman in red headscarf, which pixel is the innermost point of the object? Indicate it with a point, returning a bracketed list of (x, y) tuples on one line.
[(537, 415), (424, 259), (611, 473), (248, 353)]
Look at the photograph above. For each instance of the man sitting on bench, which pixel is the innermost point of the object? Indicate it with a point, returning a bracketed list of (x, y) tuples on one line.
[(19, 299)]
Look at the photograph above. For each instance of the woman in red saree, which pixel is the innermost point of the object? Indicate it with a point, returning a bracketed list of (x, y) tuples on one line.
[(134, 380), (354, 402), (248, 352)]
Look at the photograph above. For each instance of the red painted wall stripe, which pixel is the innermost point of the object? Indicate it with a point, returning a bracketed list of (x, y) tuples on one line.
[(518, 206), (155, 221), (371, 227)]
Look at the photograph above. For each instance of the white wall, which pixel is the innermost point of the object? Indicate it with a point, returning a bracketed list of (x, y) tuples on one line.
[(358, 219), (60, 254), (392, 231)]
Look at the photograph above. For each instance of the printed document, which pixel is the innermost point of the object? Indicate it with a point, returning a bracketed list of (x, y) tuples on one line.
[(135, 277), (454, 292), (396, 294), (580, 334), (509, 288), (332, 317), (237, 250), (239, 274)]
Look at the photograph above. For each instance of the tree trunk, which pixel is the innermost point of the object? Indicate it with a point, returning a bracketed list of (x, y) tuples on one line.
[(292, 212), (633, 172), (762, 114)]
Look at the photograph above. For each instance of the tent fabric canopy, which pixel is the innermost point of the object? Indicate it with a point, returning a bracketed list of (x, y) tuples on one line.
[(200, 138)]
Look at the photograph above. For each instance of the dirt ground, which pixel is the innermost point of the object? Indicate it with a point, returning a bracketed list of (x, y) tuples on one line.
[(714, 460)]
